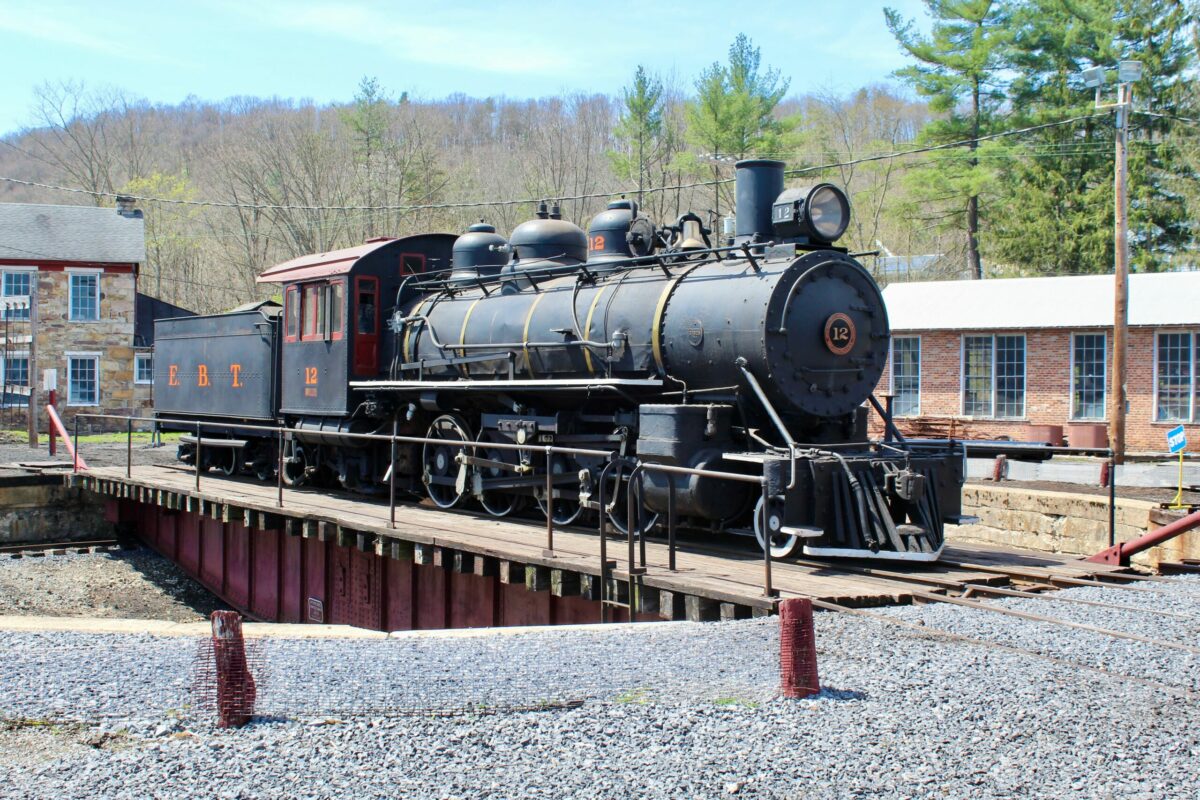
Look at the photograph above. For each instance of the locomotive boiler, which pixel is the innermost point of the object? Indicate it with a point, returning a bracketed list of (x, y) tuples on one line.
[(757, 353)]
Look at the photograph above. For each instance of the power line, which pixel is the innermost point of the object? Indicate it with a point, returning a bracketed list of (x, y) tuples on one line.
[(530, 201), (1184, 120)]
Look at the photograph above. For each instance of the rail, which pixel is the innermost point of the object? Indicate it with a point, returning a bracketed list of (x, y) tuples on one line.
[(635, 468)]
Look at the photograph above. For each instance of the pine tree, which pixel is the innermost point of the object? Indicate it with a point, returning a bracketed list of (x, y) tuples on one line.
[(733, 114), (960, 68), (639, 129), (1058, 183)]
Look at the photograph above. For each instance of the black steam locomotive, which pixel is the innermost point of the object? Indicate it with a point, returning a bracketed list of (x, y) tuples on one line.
[(757, 354)]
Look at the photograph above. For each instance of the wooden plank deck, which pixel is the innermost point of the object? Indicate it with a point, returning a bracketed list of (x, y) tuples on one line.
[(720, 570)]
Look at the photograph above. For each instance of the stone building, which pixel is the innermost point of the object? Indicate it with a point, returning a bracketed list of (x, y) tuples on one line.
[(69, 304), (992, 359)]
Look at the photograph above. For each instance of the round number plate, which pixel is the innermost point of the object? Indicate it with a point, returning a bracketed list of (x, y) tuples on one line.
[(840, 334)]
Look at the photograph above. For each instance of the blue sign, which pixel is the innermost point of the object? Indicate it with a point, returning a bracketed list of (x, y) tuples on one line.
[(1176, 439)]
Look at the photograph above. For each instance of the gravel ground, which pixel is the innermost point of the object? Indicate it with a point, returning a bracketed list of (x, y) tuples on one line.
[(130, 584), (671, 711), (94, 453)]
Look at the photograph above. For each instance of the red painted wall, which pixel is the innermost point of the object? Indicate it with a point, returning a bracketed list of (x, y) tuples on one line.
[(271, 576)]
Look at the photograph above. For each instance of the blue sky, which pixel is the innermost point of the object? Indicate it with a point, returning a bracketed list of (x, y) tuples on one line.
[(320, 49)]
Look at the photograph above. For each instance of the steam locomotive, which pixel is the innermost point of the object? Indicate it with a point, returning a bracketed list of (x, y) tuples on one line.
[(755, 354)]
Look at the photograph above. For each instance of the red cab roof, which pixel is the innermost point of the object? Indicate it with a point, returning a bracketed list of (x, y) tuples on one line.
[(321, 265)]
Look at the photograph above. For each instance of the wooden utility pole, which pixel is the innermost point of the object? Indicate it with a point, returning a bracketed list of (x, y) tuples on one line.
[(1116, 417)]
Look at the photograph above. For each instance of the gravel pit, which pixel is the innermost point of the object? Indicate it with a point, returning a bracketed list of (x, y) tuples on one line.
[(117, 584)]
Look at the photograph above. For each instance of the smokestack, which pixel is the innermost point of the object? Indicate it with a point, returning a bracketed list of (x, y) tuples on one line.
[(759, 182), (126, 207)]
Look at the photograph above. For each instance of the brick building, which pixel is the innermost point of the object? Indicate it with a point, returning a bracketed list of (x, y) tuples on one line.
[(987, 359), (69, 303)]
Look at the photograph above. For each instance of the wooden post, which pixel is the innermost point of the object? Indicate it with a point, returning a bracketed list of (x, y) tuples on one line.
[(1116, 420), (236, 691)]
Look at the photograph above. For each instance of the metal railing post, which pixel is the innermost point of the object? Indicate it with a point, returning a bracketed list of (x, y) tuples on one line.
[(279, 469), (632, 503), (604, 573), (768, 589), (1112, 498), (671, 522), (392, 476), (549, 501), (75, 457), (129, 447), (197, 456)]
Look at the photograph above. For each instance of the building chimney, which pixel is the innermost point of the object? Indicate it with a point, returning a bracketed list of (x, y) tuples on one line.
[(126, 207)]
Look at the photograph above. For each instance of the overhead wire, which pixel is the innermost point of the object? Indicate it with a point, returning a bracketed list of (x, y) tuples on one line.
[(528, 201)]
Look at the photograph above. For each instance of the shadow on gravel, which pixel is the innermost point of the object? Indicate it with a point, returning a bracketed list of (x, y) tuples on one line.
[(169, 578), (829, 693)]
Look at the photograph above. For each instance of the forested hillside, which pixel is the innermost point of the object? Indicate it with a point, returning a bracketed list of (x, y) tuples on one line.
[(234, 186)]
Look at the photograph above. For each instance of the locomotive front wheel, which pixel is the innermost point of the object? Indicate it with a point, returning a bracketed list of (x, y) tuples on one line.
[(229, 464), (566, 509), (783, 545), (440, 460), (618, 513), (498, 502)]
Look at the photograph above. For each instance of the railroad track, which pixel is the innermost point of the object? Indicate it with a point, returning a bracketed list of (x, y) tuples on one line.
[(42, 549)]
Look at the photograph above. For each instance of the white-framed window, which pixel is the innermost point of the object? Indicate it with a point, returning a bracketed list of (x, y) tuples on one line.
[(143, 368), (17, 283), (906, 376), (993, 376), (1089, 370), (83, 379), (1175, 370), (14, 371), (84, 301)]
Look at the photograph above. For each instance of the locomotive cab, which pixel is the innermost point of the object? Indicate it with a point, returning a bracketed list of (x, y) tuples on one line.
[(335, 308)]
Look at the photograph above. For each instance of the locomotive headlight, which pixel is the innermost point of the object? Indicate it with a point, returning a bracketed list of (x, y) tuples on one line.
[(828, 212), (819, 213)]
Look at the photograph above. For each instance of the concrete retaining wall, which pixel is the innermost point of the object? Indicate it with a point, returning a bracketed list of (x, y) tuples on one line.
[(39, 508), (1063, 522)]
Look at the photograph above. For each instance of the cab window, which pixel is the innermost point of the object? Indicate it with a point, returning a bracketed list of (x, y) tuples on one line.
[(292, 310)]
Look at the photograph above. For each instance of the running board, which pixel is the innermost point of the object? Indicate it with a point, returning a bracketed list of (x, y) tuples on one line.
[(887, 555)]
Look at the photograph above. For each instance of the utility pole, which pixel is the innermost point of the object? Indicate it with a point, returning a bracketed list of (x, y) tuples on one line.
[(1116, 420), (1128, 72)]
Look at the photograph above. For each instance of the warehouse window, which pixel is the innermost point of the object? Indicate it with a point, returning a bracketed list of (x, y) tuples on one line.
[(906, 376), (18, 284), (85, 297), (143, 368), (1088, 370), (83, 379), (993, 376), (1175, 373)]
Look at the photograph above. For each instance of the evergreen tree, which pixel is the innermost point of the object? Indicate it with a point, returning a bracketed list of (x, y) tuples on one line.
[(639, 128), (959, 69), (1057, 184), (733, 114)]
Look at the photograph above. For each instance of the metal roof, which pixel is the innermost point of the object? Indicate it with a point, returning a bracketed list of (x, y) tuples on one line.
[(334, 262), (32, 232), (321, 265), (1084, 301)]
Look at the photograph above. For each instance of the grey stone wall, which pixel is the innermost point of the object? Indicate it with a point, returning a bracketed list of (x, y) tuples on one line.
[(1063, 522)]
